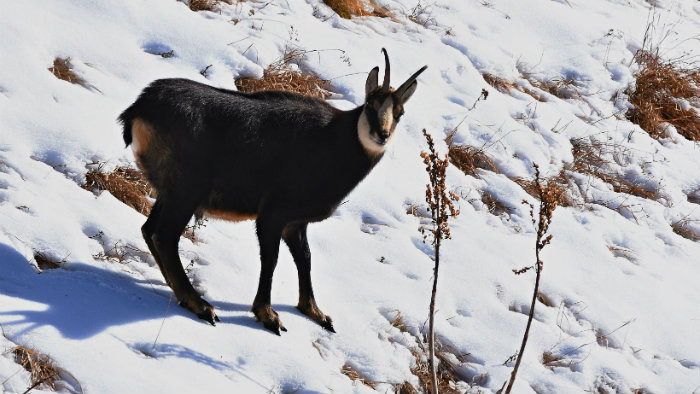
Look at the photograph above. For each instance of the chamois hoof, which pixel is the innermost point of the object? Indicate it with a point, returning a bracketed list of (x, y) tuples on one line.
[(269, 318), (327, 323), (311, 310), (202, 309)]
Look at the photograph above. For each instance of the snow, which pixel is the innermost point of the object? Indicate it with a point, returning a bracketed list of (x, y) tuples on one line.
[(624, 285)]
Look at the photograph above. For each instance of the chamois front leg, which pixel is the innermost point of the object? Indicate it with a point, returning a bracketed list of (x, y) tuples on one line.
[(269, 231), (162, 232), (294, 236)]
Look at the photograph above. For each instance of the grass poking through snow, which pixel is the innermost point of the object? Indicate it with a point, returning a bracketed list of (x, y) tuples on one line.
[(126, 184), (285, 75), (663, 94), (63, 69), (40, 366)]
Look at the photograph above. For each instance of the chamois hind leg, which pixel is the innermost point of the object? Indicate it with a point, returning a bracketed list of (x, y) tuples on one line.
[(172, 217), (147, 231), (294, 236), (269, 229)]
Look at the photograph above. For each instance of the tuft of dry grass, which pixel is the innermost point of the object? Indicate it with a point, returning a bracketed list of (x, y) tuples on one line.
[(40, 366), (498, 83), (558, 184), (544, 299), (47, 263), (280, 76), (588, 159), (561, 87), (349, 8), (208, 5), (660, 88), (405, 388), (468, 159), (399, 322), (495, 206), (504, 86), (63, 69), (681, 228), (551, 361), (447, 372), (126, 184), (355, 376)]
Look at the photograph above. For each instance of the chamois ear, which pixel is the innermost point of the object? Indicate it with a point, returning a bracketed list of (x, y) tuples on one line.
[(405, 91), (372, 80), (408, 92)]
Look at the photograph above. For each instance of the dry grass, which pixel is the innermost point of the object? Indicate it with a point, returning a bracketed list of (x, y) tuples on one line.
[(625, 253), (495, 206), (349, 8), (551, 361), (505, 86), (559, 184), (127, 185), (398, 322), (405, 388), (659, 88), (355, 376), (544, 299), (208, 5), (468, 159), (589, 159), (694, 196), (63, 69), (681, 228), (40, 366), (564, 88), (447, 372), (422, 15), (280, 76), (47, 263), (498, 83)]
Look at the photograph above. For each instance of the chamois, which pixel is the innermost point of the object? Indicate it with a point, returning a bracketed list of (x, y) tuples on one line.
[(279, 158)]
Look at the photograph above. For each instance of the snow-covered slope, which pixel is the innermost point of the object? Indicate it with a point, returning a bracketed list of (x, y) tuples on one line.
[(623, 284)]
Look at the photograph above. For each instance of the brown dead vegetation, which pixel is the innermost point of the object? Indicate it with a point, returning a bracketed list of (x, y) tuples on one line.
[(126, 184), (349, 8), (46, 262), (559, 184), (658, 91), (681, 228), (63, 69), (355, 376), (405, 388), (40, 366), (504, 86), (281, 76), (447, 371), (208, 5), (495, 206), (468, 159), (551, 361), (544, 299), (589, 159), (561, 87)]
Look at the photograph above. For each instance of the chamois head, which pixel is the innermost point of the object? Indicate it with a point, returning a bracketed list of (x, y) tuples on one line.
[(383, 108)]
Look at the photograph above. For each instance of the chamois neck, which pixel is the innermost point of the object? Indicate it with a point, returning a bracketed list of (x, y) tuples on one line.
[(359, 131)]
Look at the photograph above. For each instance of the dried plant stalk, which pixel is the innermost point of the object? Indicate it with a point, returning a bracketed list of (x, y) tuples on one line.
[(440, 202), (548, 195)]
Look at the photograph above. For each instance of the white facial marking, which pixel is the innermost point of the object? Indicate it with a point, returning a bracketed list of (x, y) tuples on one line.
[(386, 115), (363, 133)]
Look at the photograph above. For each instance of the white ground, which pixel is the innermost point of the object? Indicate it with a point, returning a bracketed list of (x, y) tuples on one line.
[(99, 319)]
